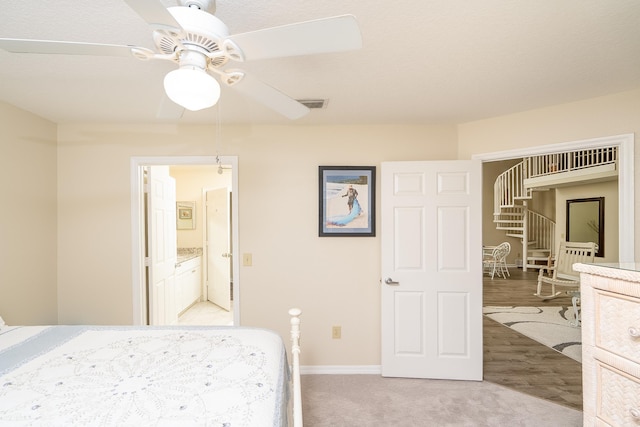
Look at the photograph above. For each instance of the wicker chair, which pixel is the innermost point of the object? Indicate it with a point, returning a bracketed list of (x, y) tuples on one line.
[(494, 260)]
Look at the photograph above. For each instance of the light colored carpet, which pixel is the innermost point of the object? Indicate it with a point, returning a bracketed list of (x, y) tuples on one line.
[(370, 400), (547, 325)]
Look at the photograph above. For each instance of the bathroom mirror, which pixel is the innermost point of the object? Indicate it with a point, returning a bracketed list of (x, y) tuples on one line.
[(186, 215), (585, 222)]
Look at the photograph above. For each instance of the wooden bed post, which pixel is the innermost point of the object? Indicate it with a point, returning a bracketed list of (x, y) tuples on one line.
[(295, 355)]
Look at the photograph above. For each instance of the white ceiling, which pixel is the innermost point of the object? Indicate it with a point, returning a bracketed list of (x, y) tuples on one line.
[(423, 61)]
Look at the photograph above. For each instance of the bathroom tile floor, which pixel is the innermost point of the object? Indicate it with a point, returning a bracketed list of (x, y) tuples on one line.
[(206, 313)]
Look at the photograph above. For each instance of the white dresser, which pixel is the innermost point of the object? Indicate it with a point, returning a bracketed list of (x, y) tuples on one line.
[(610, 295)]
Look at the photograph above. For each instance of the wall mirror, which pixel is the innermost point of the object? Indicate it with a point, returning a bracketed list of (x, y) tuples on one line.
[(186, 215), (585, 222)]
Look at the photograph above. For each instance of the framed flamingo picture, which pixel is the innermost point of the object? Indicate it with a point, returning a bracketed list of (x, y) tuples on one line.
[(347, 200)]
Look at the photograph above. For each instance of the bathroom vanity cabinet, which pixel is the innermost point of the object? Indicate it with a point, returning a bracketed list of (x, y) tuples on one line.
[(188, 283)]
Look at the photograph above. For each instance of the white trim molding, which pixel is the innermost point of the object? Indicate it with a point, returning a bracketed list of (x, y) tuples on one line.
[(341, 370)]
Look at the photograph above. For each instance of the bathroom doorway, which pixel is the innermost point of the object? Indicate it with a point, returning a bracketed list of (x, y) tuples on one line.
[(141, 256)]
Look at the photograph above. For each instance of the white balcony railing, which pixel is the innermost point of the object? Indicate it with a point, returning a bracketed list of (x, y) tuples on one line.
[(547, 164), (509, 186)]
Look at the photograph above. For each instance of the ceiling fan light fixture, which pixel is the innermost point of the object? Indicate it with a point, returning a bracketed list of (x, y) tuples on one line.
[(192, 88)]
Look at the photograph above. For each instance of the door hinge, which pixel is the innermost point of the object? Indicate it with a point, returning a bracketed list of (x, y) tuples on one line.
[(146, 261)]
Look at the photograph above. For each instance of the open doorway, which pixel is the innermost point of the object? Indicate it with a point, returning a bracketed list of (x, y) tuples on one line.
[(513, 359), (193, 238)]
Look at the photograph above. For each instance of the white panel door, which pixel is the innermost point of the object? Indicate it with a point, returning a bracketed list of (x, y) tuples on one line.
[(432, 269), (219, 247), (162, 246)]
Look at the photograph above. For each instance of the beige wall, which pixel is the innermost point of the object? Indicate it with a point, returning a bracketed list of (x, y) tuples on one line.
[(335, 281), (597, 117), (27, 218), (190, 181), (608, 190)]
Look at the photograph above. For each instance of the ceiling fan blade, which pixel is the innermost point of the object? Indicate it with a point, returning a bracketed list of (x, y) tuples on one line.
[(155, 14), (64, 48), (270, 97), (335, 34)]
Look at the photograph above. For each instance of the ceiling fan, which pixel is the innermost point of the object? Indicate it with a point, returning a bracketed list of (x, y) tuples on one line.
[(192, 37)]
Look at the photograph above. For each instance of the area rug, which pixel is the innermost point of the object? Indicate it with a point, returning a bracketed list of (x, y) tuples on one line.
[(546, 325)]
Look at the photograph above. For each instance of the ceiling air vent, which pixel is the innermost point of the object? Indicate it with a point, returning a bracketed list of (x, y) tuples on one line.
[(313, 103)]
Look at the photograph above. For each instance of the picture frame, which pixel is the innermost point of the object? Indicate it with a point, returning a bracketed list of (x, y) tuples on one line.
[(347, 200), (185, 215)]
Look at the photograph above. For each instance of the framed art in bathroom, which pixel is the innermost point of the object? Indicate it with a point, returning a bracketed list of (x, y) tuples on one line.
[(185, 215)]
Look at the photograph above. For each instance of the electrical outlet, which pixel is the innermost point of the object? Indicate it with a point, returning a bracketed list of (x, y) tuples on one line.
[(336, 332)]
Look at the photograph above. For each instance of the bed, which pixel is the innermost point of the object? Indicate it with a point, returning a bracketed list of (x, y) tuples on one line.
[(149, 375)]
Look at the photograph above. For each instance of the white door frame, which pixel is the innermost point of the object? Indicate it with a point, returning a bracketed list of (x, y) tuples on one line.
[(624, 143), (137, 226)]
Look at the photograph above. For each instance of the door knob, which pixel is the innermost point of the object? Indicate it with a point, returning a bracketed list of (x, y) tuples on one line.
[(389, 281)]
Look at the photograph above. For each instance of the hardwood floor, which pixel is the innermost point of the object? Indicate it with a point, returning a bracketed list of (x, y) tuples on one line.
[(520, 363)]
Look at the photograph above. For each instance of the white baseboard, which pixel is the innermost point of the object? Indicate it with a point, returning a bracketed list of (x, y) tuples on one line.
[(341, 370)]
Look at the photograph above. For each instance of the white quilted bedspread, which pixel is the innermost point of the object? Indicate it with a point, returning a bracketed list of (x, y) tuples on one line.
[(144, 376)]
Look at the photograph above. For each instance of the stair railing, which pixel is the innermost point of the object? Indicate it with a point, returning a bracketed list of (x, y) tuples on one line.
[(509, 186), (541, 232)]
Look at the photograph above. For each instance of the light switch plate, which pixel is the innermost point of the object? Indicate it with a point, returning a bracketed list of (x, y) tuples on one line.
[(247, 260)]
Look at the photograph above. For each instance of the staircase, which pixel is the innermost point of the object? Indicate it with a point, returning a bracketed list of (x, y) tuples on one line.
[(515, 187)]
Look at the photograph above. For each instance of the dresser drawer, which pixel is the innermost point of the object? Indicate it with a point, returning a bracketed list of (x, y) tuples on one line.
[(618, 397), (618, 324)]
